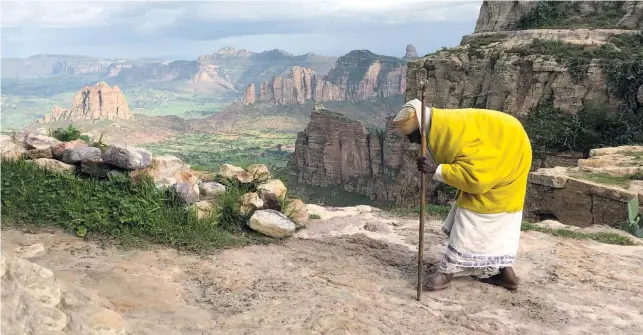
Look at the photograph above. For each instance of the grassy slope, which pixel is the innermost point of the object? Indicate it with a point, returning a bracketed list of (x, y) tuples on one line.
[(132, 215)]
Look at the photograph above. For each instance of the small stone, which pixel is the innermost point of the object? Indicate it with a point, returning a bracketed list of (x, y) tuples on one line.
[(211, 190), (639, 96), (271, 223), (38, 153), (81, 154), (273, 186), (127, 157), (53, 165), (10, 148), (270, 201), (259, 172), (185, 192), (97, 168), (203, 209), (250, 202), (60, 148), (297, 212), (35, 141), (230, 171)]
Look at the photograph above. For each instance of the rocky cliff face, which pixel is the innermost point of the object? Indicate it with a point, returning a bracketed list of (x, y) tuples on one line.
[(411, 53), (515, 71), (517, 15), (359, 75), (99, 102), (334, 151)]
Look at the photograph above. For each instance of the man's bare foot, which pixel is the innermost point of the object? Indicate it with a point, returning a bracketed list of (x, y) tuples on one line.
[(506, 278), (438, 281)]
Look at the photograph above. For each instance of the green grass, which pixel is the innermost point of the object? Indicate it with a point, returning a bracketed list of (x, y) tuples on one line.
[(208, 151), (608, 179), (314, 216), (117, 210), (603, 237), (567, 14)]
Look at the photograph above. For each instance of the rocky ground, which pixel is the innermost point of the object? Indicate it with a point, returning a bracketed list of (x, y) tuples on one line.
[(351, 272)]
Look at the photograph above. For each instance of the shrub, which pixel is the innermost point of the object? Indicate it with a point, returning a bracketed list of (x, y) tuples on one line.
[(70, 134), (553, 130), (117, 208)]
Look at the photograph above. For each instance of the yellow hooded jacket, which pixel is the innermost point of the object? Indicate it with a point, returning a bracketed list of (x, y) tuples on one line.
[(485, 154)]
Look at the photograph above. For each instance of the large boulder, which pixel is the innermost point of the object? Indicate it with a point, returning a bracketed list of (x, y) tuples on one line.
[(211, 190), (271, 223), (54, 165), (38, 153), (296, 210), (127, 157), (272, 186), (81, 154), (35, 141), (250, 202), (185, 193), (35, 302), (60, 148), (163, 167)]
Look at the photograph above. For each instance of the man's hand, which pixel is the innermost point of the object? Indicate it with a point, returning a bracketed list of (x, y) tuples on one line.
[(425, 166)]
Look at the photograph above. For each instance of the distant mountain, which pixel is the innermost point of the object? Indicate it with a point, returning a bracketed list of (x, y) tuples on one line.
[(228, 69), (358, 75)]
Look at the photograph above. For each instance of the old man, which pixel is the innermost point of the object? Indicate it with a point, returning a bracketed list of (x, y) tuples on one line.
[(486, 156)]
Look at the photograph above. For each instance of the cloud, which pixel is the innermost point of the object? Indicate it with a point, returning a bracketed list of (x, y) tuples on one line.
[(118, 26)]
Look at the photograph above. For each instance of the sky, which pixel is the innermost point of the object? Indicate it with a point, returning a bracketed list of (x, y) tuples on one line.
[(186, 29)]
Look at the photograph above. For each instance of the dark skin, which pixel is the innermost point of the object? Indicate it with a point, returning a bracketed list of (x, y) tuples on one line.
[(438, 281)]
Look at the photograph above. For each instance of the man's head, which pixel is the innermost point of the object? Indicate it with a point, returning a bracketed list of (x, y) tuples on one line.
[(408, 119)]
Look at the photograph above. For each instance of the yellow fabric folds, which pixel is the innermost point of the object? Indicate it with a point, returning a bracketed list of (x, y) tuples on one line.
[(485, 154)]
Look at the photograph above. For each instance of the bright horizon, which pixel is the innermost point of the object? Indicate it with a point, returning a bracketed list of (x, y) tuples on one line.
[(186, 29)]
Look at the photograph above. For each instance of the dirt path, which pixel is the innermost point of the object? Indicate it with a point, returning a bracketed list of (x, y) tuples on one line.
[(353, 272)]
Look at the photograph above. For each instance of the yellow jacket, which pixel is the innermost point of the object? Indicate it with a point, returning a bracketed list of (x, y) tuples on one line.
[(485, 154)]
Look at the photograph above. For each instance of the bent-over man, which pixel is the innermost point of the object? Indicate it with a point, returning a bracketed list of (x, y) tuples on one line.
[(486, 156)]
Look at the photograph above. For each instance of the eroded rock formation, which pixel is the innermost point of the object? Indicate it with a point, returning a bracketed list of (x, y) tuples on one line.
[(515, 15), (411, 53), (99, 102), (334, 151), (359, 75)]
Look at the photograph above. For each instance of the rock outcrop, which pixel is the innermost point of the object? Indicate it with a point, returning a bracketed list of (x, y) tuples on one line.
[(250, 96), (334, 151), (359, 75), (98, 102), (411, 53), (515, 15), (605, 189)]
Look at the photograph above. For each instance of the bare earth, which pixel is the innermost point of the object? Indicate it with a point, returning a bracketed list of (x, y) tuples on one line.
[(352, 272)]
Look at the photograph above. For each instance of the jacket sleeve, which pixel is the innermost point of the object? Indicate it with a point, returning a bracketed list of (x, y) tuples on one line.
[(473, 169)]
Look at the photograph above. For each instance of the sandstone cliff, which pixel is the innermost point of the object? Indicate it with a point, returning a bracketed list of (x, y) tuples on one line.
[(411, 53), (517, 15), (334, 151), (517, 71), (99, 102), (359, 75)]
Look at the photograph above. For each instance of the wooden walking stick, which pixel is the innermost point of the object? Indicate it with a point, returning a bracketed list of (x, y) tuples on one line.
[(422, 193)]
